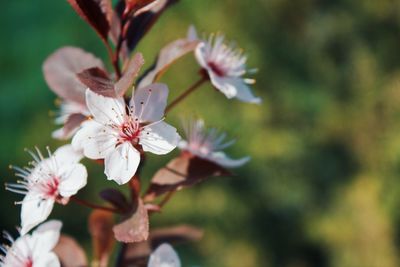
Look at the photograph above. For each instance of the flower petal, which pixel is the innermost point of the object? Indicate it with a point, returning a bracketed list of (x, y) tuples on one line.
[(105, 110), (46, 237), (192, 33), (159, 138), (35, 210), (223, 160), (47, 260), (67, 155), (73, 179), (224, 85), (200, 54), (244, 92), (122, 163), (164, 255), (94, 140), (149, 102)]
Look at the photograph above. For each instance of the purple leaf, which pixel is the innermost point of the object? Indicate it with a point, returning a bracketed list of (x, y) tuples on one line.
[(97, 80), (138, 253), (100, 228), (71, 124), (142, 23), (116, 198), (131, 72), (60, 71), (92, 12), (135, 228), (183, 171), (70, 252)]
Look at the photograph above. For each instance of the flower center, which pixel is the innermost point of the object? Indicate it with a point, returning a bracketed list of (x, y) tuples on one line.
[(51, 187), (216, 69), (129, 131), (29, 263)]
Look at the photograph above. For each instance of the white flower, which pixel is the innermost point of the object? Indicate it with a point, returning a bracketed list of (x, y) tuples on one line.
[(117, 131), (46, 181), (208, 144), (33, 250), (164, 256), (225, 65)]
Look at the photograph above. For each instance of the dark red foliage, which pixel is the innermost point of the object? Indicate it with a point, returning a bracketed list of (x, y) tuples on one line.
[(141, 24), (116, 198), (92, 12), (138, 253), (98, 81), (183, 171)]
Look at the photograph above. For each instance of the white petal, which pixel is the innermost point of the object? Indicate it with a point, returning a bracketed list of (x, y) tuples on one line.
[(47, 260), (122, 163), (67, 155), (222, 159), (159, 138), (164, 256), (35, 210), (200, 54), (149, 102), (192, 34), (105, 110), (244, 92), (234, 87), (72, 180), (94, 140), (21, 250), (46, 237), (224, 85)]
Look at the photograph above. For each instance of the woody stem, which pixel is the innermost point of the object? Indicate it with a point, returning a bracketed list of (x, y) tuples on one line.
[(188, 91)]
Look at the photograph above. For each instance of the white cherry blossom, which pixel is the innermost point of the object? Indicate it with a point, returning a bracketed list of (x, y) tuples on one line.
[(117, 132), (33, 250), (46, 181), (225, 65), (164, 256), (208, 144)]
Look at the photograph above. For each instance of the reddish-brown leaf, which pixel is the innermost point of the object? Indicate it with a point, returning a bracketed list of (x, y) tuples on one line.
[(135, 228), (60, 70), (106, 8), (92, 12), (131, 72), (183, 171), (168, 55), (142, 23), (70, 252), (100, 227), (137, 253), (72, 123), (97, 80), (116, 198)]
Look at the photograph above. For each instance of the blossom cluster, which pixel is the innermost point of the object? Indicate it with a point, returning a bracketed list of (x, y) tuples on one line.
[(115, 118)]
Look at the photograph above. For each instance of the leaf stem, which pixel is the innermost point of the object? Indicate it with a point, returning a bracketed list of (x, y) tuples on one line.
[(166, 198), (92, 205), (188, 91)]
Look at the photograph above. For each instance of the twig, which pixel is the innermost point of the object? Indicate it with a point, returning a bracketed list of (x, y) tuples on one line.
[(186, 93)]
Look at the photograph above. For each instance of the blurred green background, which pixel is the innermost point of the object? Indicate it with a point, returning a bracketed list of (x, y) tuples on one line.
[(323, 187)]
